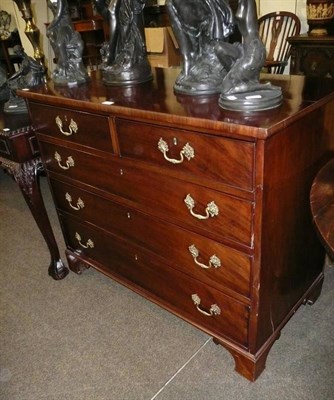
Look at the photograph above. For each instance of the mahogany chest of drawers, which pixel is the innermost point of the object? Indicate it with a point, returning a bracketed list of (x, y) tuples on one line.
[(203, 211)]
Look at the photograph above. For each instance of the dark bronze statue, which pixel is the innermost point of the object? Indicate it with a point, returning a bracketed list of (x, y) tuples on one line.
[(241, 88), (67, 46), (213, 65), (4, 90), (124, 56), (31, 73), (198, 27)]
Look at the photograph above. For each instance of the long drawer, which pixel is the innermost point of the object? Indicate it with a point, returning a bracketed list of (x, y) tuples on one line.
[(197, 256), (90, 130), (198, 207), (207, 157), (202, 305)]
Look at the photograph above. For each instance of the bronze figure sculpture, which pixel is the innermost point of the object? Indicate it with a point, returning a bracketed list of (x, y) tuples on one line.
[(241, 88), (4, 90), (31, 73), (124, 56), (213, 65), (198, 27), (67, 46)]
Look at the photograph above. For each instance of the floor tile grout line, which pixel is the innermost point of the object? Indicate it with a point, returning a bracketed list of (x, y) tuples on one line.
[(180, 369)]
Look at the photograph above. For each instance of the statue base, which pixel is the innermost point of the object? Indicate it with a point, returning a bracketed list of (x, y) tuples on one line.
[(121, 75), (68, 82), (204, 78), (194, 88), (16, 105), (73, 74), (258, 100)]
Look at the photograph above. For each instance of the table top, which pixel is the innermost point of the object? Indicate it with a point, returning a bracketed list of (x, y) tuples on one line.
[(322, 205), (158, 101), (304, 38)]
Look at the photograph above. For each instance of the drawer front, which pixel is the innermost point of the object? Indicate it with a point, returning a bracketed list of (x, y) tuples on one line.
[(90, 130), (197, 207), (221, 160), (197, 256), (187, 297)]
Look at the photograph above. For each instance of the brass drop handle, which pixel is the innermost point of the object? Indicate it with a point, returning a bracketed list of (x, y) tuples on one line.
[(73, 126), (187, 152), (69, 161), (80, 203), (214, 261), (211, 209), (214, 309), (89, 243)]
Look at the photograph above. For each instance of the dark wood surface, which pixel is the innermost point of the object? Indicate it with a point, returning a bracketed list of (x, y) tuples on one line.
[(124, 203), (20, 157), (322, 206), (164, 107), (312, 55)]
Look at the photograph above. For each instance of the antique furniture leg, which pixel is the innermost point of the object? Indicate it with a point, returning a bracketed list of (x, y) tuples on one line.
[(27, 177), (75, 264), (246, 364)]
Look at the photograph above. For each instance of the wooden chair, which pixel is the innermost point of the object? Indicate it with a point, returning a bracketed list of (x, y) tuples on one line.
[(274, 29)]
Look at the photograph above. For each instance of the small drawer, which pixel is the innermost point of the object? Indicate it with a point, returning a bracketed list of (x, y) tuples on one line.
[(197, 208), (90, 130), (226, 161), (198, 303), (204, 259)]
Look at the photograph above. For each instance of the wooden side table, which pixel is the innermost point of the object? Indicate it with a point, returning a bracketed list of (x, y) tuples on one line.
[(312, 55), (19, 156), (322, 206)]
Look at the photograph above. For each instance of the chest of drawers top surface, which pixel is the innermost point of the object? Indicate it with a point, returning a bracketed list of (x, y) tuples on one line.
[(156, 101)]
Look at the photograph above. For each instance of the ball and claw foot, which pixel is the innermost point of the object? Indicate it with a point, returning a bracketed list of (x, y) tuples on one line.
[(57, 270)]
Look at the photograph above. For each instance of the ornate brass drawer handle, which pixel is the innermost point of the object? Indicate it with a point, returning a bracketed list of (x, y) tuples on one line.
[(187, 152), (69, 161), (214, 261), (211, 209), (214, 309), (80, 203), (73, 126), (89, 244)]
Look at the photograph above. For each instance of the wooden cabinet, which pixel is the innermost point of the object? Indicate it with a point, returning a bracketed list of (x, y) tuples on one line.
[(312, 55), (203, 211)]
